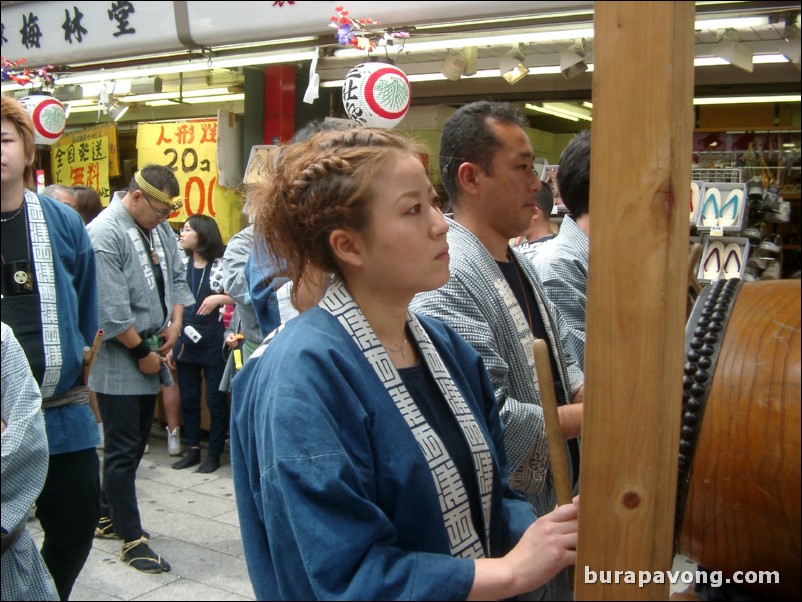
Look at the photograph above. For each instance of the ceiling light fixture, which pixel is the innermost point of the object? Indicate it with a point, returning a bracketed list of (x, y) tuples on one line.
[(731, 49), (570, 109), (727, 100), (116, 110), (188, 67), (454, 65), (572, 60), (553, 113), (511, 65)]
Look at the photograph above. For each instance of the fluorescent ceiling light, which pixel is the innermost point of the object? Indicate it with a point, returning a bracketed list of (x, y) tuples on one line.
[(219, 98), (551, 112), (433, 77), (85, 108), (758, 59), (728, 100), (176, 94), (497, 40), (188, 67), (569, 109), (732, 23)]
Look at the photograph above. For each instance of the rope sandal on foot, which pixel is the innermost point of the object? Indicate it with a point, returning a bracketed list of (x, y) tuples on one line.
[(104, 529), (137, 553)]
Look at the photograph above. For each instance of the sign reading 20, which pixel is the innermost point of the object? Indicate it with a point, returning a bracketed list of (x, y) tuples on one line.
[(187, 162)]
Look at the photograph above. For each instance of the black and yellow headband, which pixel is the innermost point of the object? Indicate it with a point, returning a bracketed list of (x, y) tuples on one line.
[(159, 195)]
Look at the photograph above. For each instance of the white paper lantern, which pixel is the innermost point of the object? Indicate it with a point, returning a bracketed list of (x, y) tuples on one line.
[(48, 117), (376, 95)]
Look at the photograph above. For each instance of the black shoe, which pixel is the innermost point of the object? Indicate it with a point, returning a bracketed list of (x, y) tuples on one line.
[(210, 464), (190, 459), (137, 553)]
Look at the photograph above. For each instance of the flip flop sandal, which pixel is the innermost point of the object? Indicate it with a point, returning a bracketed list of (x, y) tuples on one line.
[(711, 266), (710, 207), (138, 554), (732, 261), (694, 199), (729, 212)]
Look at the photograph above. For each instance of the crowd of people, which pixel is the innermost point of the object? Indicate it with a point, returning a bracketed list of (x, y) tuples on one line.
[(387, 433)]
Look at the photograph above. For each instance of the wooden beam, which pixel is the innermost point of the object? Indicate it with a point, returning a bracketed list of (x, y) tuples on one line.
[(640, 179)]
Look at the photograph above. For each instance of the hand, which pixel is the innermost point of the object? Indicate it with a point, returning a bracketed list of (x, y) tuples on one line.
[(209, 304), (232, 340), (169, 359), (547, 547), (169, 334), (150, 364)]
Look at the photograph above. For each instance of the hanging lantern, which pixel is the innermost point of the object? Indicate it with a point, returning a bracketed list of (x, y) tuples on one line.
[(48, 117), (376, 95)]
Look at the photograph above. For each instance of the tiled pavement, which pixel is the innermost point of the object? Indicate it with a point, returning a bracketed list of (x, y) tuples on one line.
[(193, 523)]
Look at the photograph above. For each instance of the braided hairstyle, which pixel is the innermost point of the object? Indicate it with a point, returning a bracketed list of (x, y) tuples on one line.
[(317, 186)]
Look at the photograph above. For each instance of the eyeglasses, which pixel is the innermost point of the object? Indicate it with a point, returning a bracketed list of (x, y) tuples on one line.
[(159, 214)]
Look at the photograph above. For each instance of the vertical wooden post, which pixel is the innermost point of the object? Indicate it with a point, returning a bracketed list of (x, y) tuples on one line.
[(640, 186)]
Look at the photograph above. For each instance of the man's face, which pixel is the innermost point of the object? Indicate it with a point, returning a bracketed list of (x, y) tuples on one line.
[(507, 193), (14, 159), (148, 212)]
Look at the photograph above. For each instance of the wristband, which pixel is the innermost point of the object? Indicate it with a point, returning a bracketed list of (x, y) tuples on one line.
[(139, 351)]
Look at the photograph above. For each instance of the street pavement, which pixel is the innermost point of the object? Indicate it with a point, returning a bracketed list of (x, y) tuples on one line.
[(193, 523)]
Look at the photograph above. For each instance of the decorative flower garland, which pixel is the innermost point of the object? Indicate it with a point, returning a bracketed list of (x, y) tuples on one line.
[(360, 33), (13, 71)]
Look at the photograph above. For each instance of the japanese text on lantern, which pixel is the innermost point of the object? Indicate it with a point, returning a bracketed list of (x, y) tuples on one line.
[(189, 149)]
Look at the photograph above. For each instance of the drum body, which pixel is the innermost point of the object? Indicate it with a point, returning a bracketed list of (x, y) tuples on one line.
[(742, 508)]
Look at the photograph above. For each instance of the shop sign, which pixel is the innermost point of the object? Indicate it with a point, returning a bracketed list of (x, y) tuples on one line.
[(83, 162), (189, 148), (46, 32)]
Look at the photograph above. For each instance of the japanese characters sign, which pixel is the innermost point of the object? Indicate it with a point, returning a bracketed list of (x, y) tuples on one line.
[(43, 32), (83, 160), (189, 148)]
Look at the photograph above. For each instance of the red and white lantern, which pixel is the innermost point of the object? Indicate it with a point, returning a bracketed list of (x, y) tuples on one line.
[(48, 117), (376, 95)]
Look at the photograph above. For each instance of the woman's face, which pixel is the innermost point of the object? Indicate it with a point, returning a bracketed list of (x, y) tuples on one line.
[(189, 238), (405, 244)]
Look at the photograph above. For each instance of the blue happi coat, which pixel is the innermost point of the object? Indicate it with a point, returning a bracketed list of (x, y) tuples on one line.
[(336, 497)]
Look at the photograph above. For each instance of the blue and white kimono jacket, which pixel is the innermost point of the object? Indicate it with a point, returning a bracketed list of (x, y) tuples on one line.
[(344, 491)]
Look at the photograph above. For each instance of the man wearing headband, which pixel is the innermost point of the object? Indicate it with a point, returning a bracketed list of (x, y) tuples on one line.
[(141, 296)]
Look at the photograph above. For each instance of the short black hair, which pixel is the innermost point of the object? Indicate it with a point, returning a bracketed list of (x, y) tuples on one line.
[(160, 177), (573, 177), (210, 241), (544, 199), (468, 137)]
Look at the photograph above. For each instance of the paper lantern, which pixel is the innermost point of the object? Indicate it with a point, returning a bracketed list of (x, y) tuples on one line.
[(376, 95), (48, 117)]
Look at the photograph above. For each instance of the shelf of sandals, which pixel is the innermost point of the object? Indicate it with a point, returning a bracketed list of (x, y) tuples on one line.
[(741, 226)]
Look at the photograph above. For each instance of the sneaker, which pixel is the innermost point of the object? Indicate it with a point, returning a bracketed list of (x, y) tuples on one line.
[(137, 553), (173, 441)]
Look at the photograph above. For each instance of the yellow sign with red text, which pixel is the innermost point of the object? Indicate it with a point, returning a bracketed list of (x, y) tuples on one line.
[(190, 149), (85, 161)]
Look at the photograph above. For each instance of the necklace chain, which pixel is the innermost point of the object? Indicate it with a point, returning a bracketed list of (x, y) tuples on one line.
[(16, 213), (400, 348), (154, 257)]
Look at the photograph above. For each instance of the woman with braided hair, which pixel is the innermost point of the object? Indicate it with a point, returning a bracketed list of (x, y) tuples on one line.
[(366, 446)]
